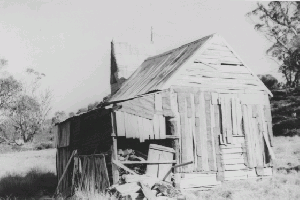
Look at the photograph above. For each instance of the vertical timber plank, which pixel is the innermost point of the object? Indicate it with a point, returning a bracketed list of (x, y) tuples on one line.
[(162, 127), (203, 133), (156, 126), (114, 149), (246, 130), (207, 97), (182, 108), (217, 134)]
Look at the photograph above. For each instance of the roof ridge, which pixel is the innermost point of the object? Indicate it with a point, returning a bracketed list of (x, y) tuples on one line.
[(182, 46)]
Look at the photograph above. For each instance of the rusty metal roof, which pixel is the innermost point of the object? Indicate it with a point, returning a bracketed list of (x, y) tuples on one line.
[(156, 70)]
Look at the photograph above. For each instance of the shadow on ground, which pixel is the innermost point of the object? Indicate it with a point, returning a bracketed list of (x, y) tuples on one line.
[(33, 185)]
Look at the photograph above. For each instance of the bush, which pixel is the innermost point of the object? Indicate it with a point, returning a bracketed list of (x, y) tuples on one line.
[(269, 81), (33, 184), (287, 128), (41, 146)]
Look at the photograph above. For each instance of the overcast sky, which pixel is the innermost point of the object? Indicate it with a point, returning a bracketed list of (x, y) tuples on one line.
[(69, 40)]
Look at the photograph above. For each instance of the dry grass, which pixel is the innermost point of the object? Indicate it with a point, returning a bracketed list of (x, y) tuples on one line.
[(35, 183), (22, 162), (27, 174), (87, 196), (285, 183)]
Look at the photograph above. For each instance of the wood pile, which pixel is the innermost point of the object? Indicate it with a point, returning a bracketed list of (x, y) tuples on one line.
[(132, 155), (143, 186)]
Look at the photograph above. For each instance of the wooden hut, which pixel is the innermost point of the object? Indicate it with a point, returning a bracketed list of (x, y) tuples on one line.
[(199, 101), (212, 107)]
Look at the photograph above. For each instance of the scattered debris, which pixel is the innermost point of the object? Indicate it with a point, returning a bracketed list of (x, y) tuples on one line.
[(137, 184)]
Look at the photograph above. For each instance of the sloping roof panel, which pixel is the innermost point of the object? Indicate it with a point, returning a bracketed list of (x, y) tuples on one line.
[(155, 71)]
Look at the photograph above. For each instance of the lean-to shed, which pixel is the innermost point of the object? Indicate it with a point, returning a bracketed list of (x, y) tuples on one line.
[(205, 99), (200, 101)]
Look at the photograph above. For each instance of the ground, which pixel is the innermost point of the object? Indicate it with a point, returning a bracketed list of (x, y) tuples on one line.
[(22, 162), (34, 171), (284, 185)]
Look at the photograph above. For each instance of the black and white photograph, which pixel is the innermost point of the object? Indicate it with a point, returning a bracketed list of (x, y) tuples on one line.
[(149, 99)]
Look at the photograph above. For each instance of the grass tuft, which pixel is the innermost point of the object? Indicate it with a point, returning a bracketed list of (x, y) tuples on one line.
[(34, 183), (44, 145)]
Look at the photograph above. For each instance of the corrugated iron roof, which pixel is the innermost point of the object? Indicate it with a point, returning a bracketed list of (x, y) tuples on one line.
[(156, 70)]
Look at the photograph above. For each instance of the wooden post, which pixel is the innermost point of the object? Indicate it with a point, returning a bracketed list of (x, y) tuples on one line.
[(114, 149), (173, 122)]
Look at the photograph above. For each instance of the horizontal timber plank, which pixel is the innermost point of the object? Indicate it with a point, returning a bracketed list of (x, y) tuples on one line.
[(232, 150), (233, 161), (149, 162), (234, 167)]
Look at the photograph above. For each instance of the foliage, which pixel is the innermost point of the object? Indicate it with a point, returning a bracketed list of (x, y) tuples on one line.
[(44, 145), (269, 81), (24, 107), (31, 185), (10, 87), (59, 116), (24, 115), (71, 114), (280, 24)]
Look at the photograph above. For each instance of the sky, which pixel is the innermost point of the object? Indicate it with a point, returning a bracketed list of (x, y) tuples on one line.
[(69, 40)]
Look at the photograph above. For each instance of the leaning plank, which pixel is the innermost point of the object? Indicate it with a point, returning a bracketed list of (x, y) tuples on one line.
[(247, 133), (149, 162), (269, 145), (119, 164), (223, 120), (268, 119), (65, 170)]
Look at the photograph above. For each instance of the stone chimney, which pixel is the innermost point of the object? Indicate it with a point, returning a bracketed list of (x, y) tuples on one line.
[(125, 59)]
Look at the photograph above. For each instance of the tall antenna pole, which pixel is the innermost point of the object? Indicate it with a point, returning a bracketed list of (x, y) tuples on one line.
[(151, 34)]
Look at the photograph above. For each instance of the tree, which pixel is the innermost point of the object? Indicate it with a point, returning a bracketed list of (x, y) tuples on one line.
[(269, 81), (280, 24), (24, 112), (71, 114), (59, 116), (10, 88)]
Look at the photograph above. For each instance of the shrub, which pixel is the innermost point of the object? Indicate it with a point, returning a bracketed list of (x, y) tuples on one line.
[(28, 186), (269, 81), (43, 145), (285, 128)]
